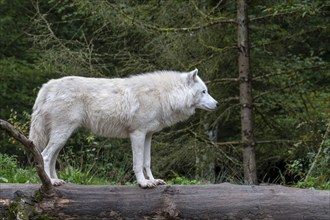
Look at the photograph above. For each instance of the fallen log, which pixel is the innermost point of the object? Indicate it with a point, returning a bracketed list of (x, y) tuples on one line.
[(219, 201)]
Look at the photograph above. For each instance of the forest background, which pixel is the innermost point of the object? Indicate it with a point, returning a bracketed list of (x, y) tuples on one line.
[(290, 53)]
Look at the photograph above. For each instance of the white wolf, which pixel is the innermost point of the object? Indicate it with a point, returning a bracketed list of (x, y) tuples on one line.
[(134, 107)]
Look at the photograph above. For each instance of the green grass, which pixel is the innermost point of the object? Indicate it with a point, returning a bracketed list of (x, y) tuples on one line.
[(10, 172), (180, 180), (314, 183)]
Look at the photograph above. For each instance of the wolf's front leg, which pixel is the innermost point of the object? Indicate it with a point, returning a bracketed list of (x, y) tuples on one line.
[(147, 162), (138, 140)]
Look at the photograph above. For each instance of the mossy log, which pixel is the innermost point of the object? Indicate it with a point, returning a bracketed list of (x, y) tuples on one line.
[(220, 201)]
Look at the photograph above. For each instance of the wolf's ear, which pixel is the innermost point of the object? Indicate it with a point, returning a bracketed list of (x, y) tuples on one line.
[(192, 76)]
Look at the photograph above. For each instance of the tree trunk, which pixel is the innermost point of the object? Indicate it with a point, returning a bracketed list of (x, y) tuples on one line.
[(222, 201), (245, 77)]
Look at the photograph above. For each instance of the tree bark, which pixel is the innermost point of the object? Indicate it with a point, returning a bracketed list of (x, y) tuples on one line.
[(246, 101), (221, 201)]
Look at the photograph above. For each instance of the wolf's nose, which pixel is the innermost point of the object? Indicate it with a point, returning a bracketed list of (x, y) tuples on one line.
[(217, 104)]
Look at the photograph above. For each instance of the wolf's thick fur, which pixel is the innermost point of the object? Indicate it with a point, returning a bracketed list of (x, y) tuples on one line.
[(133, 107)]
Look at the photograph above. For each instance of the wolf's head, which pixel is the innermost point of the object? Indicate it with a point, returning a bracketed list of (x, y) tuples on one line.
[(201, 97)]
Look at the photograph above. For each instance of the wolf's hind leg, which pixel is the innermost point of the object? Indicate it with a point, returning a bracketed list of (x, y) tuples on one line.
[(53, 173), (57, 140)]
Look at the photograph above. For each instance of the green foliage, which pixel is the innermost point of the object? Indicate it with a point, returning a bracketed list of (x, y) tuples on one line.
[(10, 172), (20, 122), (14, 23), (73, 175), (314, 183), (19, 85), (89, 160), (180, 180), (289, 58), (17, 91)]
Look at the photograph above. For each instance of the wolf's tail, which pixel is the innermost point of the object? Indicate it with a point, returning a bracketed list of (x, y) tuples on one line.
[(38, 132), (39, 129)]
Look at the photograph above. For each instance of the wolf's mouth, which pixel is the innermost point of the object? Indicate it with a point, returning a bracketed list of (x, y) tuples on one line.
[(209, 109)]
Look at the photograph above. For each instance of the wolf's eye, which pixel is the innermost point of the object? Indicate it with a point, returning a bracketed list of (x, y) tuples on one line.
[(204, 91)]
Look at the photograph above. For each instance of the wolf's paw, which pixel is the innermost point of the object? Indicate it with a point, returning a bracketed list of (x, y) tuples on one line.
[(159, 182), (148, 184), (57, 182), (151, 183)]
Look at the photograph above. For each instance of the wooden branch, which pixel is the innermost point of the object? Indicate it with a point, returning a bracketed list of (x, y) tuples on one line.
[(221, 80), (256, 142), (218, 201), (274, 15), (170, 29), (194, 28), (256, 97), (187, 29), (46, 188)]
